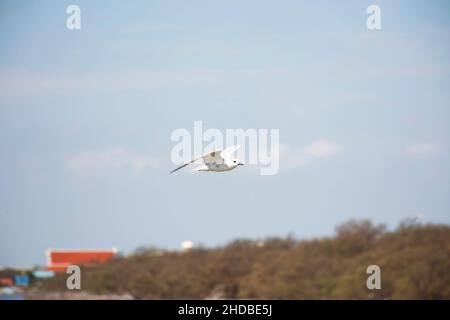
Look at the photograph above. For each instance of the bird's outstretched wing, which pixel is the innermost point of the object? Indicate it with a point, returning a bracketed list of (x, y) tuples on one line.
[(227, 153), (208, 158), (214, 157), (181, 167)]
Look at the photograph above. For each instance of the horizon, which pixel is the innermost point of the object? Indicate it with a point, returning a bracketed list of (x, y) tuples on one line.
[(407, 223)]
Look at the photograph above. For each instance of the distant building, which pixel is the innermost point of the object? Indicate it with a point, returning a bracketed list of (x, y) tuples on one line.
[(21, 280), (187, 245), (59, 259), (6, 281), (43, 274)]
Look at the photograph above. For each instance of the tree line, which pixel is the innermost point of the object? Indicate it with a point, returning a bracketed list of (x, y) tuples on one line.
[(414, 261)]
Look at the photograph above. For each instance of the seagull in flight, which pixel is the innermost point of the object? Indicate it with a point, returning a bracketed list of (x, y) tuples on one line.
[(218, 161)]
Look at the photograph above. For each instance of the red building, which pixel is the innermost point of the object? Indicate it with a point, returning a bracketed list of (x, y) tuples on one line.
[(60, 259)]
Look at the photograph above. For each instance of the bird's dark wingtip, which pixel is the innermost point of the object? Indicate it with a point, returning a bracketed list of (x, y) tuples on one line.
[(176, 169)]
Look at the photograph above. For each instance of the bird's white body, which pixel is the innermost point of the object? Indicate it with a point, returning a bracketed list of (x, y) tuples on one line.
[(216, 161), (218, 167)]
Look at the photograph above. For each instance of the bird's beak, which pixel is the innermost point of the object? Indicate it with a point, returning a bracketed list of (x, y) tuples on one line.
[(240, 164)]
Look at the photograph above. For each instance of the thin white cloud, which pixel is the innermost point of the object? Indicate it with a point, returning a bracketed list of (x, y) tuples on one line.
[(292, 158), (109, 160), (150, 28), (423, 150), (321, 148), (18, 84), (424, 70)]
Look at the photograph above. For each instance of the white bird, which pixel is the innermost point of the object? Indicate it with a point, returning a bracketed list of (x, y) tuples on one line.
[(218, 161)]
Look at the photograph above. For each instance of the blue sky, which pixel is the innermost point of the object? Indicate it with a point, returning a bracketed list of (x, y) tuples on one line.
[(86, 118)]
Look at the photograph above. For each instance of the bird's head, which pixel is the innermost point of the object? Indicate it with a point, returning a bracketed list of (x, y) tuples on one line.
[(236, 163)]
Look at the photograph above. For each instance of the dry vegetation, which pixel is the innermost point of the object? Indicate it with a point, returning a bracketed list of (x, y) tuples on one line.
[(414, 261)]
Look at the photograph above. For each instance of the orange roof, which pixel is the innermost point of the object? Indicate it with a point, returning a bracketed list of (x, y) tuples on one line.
[(59, 260)]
